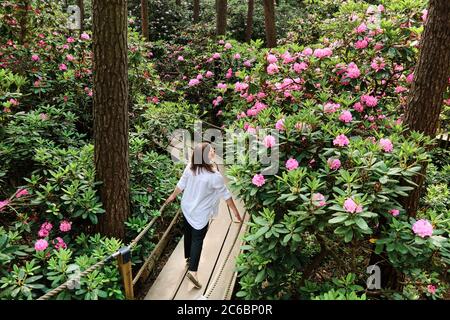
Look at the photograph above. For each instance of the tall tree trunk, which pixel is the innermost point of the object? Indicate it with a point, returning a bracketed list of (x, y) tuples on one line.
[(144, 19), (80, 4), (23, 20), (249, 26), (269, 19), (111, 112), (430, 81), (196, 10), (221, 13)]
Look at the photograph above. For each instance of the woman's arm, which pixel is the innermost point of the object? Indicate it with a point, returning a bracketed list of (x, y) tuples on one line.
[(173, 196), (231, 204)]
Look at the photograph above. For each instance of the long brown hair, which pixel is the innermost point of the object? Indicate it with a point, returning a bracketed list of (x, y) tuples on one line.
[(200, 160)]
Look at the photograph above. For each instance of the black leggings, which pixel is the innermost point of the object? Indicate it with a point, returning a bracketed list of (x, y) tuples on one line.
[(193, 244)]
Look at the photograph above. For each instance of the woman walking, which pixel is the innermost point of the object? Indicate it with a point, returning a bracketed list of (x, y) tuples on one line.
[(203, 186)]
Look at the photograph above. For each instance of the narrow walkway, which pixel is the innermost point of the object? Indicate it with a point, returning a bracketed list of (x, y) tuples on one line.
[(217, 267)]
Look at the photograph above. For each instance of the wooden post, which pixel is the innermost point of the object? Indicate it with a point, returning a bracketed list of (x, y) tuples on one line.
[(124, 263)]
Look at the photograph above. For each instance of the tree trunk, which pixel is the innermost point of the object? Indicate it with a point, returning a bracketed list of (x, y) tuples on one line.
[(430, 81), (23, 20), (80, 4), (144, 19), (249, 26), (196, 10), (221, 11), (269, 19), (111, 113)]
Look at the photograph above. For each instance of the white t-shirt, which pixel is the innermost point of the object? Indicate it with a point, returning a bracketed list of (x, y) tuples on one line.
[(201, 195)]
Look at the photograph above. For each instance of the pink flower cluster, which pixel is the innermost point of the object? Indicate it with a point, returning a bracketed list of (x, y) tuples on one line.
[(386, 145), (352, 71), (351, 206), (291, 164), (269, 141), (423, 228), (369, 100), (346, 116), (318, 200), (334, 164), (394, 212), (59, 243), (65, 226), (41, 245), (322, 53), (341, 141), (280, 125), (330, 107), (258, 180), (257, 107)]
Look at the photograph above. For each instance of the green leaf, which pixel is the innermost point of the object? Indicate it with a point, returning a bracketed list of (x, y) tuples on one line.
[(338, 219), (361, 223)]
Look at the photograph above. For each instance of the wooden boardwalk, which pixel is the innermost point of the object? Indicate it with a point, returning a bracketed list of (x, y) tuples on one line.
[(217, 267)]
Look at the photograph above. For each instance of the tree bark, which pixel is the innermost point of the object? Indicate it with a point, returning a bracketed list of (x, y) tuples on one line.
[(269, 19), (23, 20), (430, 81), (249, 26), (80, 4), (111, 113), (144, 19), (196, 10), (221, 13)]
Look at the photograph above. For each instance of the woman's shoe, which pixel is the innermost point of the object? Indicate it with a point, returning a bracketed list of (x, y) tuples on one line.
[(193, 280)]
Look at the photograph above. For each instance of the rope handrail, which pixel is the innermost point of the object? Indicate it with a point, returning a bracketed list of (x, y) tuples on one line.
[(99, 264)]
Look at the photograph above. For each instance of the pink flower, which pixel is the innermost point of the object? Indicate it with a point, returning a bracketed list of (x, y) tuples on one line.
[(199, 77), (43, 233), (47, 226), (193, 82), (70, 57), (307, 52), (287, 58), (361, 28), (358, 107), (62, 67), (269, 141), (21, 192), (378, 64), (180, 58), (41, 245), (424, 15), (272, 68), (59, 243), (351, 206), (228, 46), (386, 145), (378, 46), (380, 8), (85, 36), (43, 116), (334, 164), (291, 164), (271, 58), (35, 57), (299, 67), (318, 200), (216, 56), (330, 107), (70, 40), (237, 56), (346, 116), (65, 226), (361, 44), (431, 289), (229, 73), (3, 204), (394, 212), (369, 101), (261, 95), (258, 180), (280, 125), (410, 77), (341, 140), (323, 53), (221, 86), (422, 228), (352, 71), (209, 74), (247, 63), (400, 89)]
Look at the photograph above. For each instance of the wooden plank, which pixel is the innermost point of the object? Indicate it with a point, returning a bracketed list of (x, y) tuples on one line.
[(168, 281), (212, 246)]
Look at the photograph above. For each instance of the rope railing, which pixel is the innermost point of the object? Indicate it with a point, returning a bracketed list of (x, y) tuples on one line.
[(123, 256)]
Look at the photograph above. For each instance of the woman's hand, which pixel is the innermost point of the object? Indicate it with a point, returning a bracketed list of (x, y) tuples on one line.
[(238, 217)]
